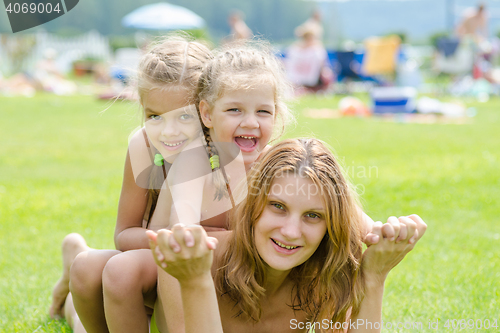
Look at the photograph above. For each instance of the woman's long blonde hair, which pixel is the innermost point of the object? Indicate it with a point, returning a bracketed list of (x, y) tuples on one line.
[(328, 284)]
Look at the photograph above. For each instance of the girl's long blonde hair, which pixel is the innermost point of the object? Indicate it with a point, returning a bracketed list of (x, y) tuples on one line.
[(329, 283)]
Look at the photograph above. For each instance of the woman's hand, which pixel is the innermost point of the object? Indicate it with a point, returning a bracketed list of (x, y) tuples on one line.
[(183, 252), (397, 237)]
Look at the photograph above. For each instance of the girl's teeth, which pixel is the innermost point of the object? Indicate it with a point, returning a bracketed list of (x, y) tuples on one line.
[(172, 145), (247, 137)]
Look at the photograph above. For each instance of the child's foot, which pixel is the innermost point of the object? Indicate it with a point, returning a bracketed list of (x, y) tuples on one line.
[(71, 246)]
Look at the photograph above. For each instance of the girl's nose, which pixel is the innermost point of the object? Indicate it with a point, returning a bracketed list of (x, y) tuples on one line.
[(171, 128), (250, 121)]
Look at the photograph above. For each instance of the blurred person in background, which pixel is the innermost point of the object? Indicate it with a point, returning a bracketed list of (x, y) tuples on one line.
[(313, 26), (48, 76), (239, 29), (474, 24), (19, 84), (474, 27), (307, 62)]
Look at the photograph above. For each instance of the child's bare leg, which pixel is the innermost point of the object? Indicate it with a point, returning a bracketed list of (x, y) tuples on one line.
[(129, 283), (86, 288), (72, 245), (72, 317)]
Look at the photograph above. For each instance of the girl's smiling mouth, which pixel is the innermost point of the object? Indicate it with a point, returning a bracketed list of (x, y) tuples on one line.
[(173, 145), (246, 143)]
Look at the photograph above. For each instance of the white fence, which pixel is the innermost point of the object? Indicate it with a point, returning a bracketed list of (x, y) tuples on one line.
[(91, 44)]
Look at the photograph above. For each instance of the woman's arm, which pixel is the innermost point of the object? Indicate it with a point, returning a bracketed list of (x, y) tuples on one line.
[(186, 254), (397, 238)]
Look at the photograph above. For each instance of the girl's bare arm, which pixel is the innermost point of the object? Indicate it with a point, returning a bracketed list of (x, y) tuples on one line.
[(129, 234)]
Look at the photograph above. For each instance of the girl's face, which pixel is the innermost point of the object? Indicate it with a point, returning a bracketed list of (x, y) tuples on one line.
[(244, 117), (292, 224), (170, 124)]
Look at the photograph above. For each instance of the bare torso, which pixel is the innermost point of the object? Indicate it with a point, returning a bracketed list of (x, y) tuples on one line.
[(276, 317), (474, 24)]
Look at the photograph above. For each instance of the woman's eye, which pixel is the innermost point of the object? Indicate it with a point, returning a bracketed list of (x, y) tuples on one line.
[(313, 216), (278, 205)]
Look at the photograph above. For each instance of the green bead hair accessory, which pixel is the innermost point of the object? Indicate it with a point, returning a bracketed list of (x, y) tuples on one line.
[(158, 160), (214, 161)]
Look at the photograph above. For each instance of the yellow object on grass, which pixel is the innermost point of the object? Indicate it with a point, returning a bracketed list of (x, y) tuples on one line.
[(381, 54)]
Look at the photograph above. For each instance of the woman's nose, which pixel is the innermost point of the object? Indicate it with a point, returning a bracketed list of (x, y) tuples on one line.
[(291, 228)]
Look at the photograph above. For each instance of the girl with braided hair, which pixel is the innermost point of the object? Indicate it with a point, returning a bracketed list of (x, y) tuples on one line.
[(166, 79)]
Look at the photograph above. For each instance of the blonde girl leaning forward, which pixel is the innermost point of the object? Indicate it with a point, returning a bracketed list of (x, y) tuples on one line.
[(238, 123), (167, 79), (294, 257)]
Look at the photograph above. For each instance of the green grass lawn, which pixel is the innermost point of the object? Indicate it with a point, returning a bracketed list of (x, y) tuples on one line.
[(61, 161)]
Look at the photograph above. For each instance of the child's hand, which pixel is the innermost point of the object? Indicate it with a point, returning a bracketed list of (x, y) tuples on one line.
[(183, 252), (397, 237)]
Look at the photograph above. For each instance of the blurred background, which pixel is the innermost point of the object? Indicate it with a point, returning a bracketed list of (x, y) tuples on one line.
[(444, 47)]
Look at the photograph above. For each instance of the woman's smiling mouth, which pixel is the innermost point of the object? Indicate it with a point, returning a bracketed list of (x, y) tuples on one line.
[(283, 248)]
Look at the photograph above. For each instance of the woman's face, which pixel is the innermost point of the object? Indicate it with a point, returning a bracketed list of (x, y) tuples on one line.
[(292, 224), (170, 124)]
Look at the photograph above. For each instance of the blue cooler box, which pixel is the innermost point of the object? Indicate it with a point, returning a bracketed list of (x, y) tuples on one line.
[(394, 100)]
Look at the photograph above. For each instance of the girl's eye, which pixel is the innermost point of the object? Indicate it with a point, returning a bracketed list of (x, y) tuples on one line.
[(313, 216), (265, 111), (154, 117), (234, 110), (186, 116)]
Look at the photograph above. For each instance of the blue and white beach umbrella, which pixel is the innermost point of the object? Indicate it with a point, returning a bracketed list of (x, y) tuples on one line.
[(163, 16)]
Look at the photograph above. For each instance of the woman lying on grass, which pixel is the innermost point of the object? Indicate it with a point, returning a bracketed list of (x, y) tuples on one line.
[(293, 260)]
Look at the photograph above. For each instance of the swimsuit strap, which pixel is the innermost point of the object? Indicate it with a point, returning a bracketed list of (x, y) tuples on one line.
[(150, 203)]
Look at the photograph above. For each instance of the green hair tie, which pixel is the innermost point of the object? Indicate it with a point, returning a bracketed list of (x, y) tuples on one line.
[(214, 161), (158, 160)]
